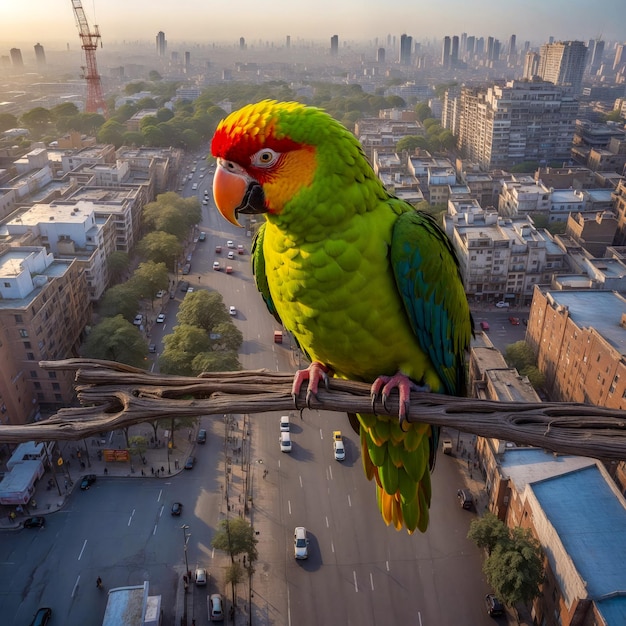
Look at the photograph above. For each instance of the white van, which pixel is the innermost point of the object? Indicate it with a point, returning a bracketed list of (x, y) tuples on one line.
[(284, 423), (285, 442)]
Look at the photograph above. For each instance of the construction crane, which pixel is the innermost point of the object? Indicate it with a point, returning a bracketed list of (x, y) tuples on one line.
[(89, 43)]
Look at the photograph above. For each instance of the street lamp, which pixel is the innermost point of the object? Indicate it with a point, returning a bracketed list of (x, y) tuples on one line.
[(186, 536)]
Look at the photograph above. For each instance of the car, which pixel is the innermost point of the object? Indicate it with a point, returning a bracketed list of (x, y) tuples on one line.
[(201, 436), (186, 268), (484, 326), (184, 285), (87, 481), (502, 304), (177, 508), (493, 605), (189, 463), (232, 310), (230, 244), (284, 423), (218, 249), (300, 543), (202, 237), (216, 607), (514, 320), (446, 446), (34, 522), (160, 293), (240, 249), (205, 202), (138, 321), (339, 450), (465, 498), (42, 617), (190, 289), (229, 269), (200, 576), (216, 266), (231, 255), (160, 318), (152, 348)]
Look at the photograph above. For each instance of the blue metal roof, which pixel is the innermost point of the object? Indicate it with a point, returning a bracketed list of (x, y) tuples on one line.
[(590, 520)]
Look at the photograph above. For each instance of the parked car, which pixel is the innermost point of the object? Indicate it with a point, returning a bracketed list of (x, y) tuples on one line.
[(230, 244), (138, 321), (300, 543), (218, 249), (201, 236), (34, 522), (216, 607), (152, 348), (232, 310), (240, 249), (186, 268), (484, 326), (200, 576), (189, 463), (160, 318), (87, 481), (42, 617), (502, 304), (465, 498), (493, 605), (160, 293), (177, 508), (201, 436), (216, 266)]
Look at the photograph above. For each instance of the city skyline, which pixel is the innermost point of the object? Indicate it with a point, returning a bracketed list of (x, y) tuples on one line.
[(139, 21)]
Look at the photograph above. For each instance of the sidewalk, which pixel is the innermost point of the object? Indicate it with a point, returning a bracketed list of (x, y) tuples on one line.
[(87, 457)]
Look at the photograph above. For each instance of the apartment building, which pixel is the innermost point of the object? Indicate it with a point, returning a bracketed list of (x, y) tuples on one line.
[(521, 121), (563, 63), (44, 308), (383, 134), (502, 258), (619, 197), (594, 231)]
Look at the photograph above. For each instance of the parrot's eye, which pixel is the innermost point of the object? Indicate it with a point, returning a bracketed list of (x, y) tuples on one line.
[(264, 158)]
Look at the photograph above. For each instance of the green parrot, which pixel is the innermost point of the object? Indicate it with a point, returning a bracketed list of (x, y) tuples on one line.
[(368, 286)]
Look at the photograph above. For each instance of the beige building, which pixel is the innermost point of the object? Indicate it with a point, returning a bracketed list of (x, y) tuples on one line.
[(44, 307)]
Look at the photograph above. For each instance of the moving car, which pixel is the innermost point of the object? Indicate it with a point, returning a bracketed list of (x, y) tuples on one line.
[(34, 522), (200, 576), (177, 508), (201, 236), (493, 605), (284, 423), (285, 442), (216, 266), (240, 249), (152, 348), (278, 336), (229, 269), (87, 481), (190, 462), (446, 446), (218, 249), (465, 498), (160, 318), (230, 244), (338, 447), (216, 607), (232, 310), (201, 436), (502, 304), (484, 326), (231, 255), (514, 320), (42, 617), (300, 543)]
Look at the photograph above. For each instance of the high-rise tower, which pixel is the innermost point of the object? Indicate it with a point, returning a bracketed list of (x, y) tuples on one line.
[(161, 44), (40, 56), (563, 63)]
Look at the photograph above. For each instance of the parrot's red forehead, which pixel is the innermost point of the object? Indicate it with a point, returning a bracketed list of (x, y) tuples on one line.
[(246, 131)]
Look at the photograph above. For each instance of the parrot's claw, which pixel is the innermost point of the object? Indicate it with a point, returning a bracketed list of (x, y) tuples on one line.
[(315, 373), (383, 386)]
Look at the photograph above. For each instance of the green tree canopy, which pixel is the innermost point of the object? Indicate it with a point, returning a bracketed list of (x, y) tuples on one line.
[(36, 120), (215, 362), (160, 247), (116, 339), (118, 262), (204, 309), (519, 355), (7, 121), (423, 111), (181, 347), (149, 278), (236, 536), (411, 142), (228, 338), (487, 531), (120, 300), (111, 132)]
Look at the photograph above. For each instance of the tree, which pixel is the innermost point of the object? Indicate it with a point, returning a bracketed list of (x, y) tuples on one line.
[(7, 121), (118, 262), (160, 247), (204, 309), (515, 568), (423, 111), (111, 132), (226, 337), (120, 300), (234, 575), (487, 531), (236, 536), (215, 362), (181, 347), (137, 446), (154, 76), (411, 142), (149, 278), (519, 355), (116, 339), (36, 120)]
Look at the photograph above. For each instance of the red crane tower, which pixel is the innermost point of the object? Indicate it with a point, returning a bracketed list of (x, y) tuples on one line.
[(89, 39)]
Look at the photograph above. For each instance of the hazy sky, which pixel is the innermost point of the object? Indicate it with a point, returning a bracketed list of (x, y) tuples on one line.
[(51, 22)]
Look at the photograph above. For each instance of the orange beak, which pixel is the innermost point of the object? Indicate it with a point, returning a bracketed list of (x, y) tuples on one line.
[(229, 190)]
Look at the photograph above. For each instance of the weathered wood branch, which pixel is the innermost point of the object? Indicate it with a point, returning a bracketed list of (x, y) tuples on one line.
[(114, 396)]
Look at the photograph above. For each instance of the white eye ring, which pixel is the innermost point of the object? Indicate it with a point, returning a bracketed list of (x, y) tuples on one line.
[(264, 158)]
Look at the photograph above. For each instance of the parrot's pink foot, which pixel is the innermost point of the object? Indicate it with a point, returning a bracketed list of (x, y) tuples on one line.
[(315, 373), (383, 386)]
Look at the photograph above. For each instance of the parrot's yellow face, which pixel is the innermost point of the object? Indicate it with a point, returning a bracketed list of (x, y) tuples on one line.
[(260, 168)]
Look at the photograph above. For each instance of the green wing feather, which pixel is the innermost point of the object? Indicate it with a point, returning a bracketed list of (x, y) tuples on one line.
[(428, 278), (258, 270)]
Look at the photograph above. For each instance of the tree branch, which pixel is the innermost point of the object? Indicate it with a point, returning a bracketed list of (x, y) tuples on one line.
[(114, 396)]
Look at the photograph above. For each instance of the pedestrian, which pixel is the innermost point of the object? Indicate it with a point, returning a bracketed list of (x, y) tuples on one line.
[(106, 471), (142, 472), (152, 470), (162, 470)]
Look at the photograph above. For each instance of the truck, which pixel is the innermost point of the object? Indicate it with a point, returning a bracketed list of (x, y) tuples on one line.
[(278, 336), (446, 446)]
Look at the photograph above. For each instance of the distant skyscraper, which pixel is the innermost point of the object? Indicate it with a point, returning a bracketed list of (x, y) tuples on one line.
[(469, 48), (597, 52), (463, 45), (380, 55), (187, 61), (334, 45), (242, 43), (161, 44), (479, 48), (531, 65), (406, 45), (16, 57), (563, 63), (620, 56), (445, 53), (40, 55), (490, 41), (454, 52), (288, 42), (512, 46), (495, 52)]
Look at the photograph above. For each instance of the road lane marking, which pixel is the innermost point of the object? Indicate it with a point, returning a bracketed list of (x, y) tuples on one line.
[(75, 586), (160, 494), (154, 529), (349, 500), (419, 617), (332, 546), (330, 472), (321, 434), (289, 505), (82, 550), (387, 564), (161, 511), (300, 481), (130, 519), (327, 524), (371, 581), (356, 586)]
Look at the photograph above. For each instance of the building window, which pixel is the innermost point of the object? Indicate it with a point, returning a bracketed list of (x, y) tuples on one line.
[(34, 374), (23, 332), (58, 397), (18, 319), (27, 345), (52, 374), (30, 356), (37, 385), (56, 386)]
